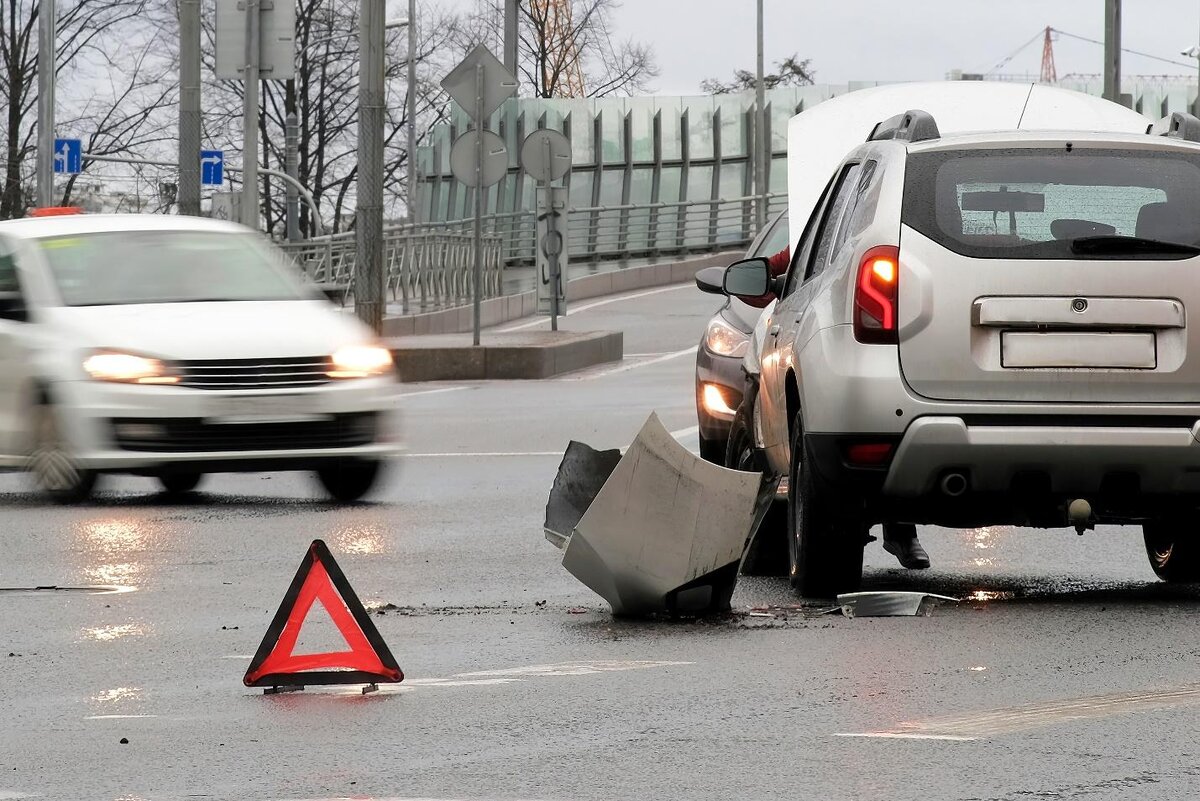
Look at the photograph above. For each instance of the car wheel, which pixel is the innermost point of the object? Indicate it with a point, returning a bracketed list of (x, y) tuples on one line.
[(54, 469), (1173, 550), (349, 480), (826, 535), (768, 554), (712, 450), (180, 483)]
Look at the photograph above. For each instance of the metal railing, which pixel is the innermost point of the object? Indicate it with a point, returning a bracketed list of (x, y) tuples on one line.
[(430, 269), (431, 266)]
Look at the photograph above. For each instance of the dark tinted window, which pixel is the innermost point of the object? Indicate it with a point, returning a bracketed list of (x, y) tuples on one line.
[(1032, 203)]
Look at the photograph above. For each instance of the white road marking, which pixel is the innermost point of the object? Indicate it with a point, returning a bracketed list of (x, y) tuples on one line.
[(1008, 720), (632, 366), (418, 393), (893, 735), (686, 432), (477, 454), (596, 304), (13, 795)]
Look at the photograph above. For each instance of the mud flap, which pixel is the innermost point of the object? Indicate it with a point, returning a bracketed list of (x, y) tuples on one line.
[(657, 530)]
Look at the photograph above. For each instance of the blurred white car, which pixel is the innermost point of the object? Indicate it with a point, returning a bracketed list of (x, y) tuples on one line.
[(176, 346)]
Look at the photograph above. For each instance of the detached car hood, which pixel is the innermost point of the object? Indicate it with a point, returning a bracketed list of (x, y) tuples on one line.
[(212, 330)]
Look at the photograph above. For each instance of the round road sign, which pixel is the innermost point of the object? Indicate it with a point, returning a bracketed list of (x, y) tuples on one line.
[(546, 155), (495, 158)]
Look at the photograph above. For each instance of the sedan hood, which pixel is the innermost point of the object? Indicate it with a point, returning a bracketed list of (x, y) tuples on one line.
[(216, 330)]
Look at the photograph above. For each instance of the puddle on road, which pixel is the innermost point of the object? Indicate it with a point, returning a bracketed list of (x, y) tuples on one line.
[(53, 589)]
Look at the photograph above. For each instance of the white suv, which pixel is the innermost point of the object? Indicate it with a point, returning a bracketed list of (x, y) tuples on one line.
[(175, 346), (988, 329)]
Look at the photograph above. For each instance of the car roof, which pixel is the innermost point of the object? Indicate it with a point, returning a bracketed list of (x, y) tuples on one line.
[(38, 227)]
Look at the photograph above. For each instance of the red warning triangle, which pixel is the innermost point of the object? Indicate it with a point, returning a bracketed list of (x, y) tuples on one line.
[(368, 659)]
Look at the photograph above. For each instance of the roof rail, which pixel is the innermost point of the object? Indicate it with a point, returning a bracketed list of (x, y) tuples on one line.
[(911, 126), (1179, 125)]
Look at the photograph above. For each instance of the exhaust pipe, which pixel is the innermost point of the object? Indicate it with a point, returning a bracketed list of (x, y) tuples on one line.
[(954, 484)]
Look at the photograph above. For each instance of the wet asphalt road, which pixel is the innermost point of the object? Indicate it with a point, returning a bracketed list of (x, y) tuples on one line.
[(1071, 672)]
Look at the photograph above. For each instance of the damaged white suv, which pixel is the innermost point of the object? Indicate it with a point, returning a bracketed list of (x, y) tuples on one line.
[(987, 329)]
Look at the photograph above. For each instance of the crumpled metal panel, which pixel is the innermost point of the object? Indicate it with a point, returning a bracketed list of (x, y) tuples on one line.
[(890, 604), (665, 532)]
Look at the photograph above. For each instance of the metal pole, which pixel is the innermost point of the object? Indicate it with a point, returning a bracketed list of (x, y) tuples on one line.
[(478, 199), (1112, 50), (292, 167), (551, 229), (189, 107), (760, 148), (510, 35), (250, 118), (47, 57), (413, 204), (368, 284)]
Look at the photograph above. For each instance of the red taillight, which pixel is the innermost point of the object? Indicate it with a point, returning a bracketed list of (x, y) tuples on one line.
[(875, 294), (55, 211), (869, 454)]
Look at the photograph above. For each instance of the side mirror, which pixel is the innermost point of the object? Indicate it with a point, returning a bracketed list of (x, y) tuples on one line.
[(711, 280), (749, 278), (12, 307)]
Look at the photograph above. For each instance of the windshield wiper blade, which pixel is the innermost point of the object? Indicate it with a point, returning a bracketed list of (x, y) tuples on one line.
[(1130, 244)]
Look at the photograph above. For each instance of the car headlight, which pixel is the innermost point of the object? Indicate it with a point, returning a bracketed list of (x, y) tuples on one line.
[(725, 340), (128, 368), (360, 361)]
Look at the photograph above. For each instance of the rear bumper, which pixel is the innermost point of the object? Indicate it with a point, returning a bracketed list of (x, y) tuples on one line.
[(1058, 459)]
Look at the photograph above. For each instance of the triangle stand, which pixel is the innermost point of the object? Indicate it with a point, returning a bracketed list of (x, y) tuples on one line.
[(368, 661)]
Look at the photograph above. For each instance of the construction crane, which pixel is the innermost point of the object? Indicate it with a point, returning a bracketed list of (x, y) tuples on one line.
[(1049, 73), (562, 70)]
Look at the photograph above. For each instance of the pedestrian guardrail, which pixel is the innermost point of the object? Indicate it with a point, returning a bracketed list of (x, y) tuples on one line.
[(431, 269)]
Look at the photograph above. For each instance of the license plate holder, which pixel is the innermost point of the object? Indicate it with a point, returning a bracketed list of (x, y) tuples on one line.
[(265, 409), (1079, 350)]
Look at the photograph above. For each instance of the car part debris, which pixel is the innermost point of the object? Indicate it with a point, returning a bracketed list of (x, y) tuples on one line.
[(890, 604), (657, 530)]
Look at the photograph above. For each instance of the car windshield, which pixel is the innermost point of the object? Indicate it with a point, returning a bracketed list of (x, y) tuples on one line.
[(1062, 203), (127, 267)]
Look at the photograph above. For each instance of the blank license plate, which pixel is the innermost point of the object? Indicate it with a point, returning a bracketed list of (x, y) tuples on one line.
[(265, 408), (1130, 351)]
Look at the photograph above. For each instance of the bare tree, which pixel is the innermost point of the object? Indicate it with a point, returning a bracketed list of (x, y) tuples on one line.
[(567, 48), (84, 27), (791, 71)]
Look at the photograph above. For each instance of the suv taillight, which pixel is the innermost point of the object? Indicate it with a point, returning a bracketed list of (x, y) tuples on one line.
[(875, 295)]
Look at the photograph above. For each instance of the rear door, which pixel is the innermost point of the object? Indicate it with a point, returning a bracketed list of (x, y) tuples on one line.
[(1052, 273)]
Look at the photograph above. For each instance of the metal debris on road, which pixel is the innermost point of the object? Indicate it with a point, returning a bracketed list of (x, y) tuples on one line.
[(891, 604), (657, 530)]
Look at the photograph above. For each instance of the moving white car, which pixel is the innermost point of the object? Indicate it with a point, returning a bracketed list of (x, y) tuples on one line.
[(172, 347)]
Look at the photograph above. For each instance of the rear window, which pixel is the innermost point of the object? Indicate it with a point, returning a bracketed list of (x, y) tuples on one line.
[(1032, 203)]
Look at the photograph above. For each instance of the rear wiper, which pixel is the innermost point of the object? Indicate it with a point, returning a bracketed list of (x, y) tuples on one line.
[(1101, 245)]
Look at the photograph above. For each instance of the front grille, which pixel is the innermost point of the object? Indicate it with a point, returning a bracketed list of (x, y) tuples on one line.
[(193, 434), (301, 371)]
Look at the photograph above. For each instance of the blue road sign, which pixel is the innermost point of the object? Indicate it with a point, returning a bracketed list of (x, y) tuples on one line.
[(212, 167), (68, 156)]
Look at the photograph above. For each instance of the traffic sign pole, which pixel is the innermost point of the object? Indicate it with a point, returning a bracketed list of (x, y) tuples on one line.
[(479, 187), (189, 108), (250, 118), (47, 58)]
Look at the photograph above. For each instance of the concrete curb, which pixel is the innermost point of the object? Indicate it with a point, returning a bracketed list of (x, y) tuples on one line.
[(513, 307), (529, 355)]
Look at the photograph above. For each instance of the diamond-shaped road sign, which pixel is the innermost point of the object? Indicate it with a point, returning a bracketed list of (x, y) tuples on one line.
[(498, 83), (68, 156), (212, 167)]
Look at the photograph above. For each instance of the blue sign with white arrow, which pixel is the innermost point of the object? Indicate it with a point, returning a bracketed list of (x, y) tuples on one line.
[(68, 156), (212, 167)]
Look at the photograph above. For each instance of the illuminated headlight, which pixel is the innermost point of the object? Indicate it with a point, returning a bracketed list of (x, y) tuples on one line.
[(360, 361), (725, 340), (716, 402), (128, 368)]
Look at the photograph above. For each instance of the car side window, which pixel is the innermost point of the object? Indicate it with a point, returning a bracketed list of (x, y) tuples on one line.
[(861, 210), (775, 240), (846, 187), (795, 274)]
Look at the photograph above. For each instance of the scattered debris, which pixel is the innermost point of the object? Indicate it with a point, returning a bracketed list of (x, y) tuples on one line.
[(890, 604), (124, 741), (657, 530)]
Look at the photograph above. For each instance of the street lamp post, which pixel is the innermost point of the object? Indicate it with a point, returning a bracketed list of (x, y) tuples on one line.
[(47, 58), (760, 132)]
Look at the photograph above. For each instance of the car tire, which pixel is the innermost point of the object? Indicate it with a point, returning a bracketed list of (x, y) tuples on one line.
[(179, 483), (51, 463), (349, 481), (768, 553), (826, 534), (1173, 551)]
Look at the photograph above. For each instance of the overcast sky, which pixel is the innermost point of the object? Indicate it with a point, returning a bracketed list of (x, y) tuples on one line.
[(895, 40)]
